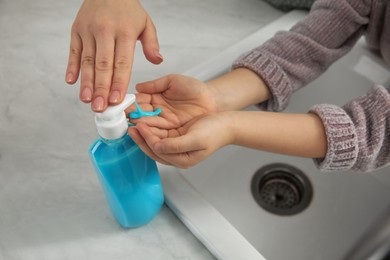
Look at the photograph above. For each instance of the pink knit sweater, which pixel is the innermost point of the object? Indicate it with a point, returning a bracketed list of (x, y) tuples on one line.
[(358, 133)]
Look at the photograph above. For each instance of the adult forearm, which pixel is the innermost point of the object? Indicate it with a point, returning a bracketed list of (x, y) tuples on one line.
[(292, 134), (238, 89)]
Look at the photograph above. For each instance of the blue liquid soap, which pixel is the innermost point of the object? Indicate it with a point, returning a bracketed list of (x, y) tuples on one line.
[(129, 178), (140, 113)]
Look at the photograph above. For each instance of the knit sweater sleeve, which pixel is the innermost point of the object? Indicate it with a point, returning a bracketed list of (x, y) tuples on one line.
[(358, 134), (291, 59)]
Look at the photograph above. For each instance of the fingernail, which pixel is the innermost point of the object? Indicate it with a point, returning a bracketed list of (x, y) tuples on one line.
[(158, 54), (69, 77), (115, 96), (86, 95), (98, 104)]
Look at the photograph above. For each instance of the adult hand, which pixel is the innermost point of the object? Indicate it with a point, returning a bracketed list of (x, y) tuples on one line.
[(103, 40)]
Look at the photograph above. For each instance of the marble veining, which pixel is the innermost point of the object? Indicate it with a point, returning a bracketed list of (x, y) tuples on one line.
[(51, 204)]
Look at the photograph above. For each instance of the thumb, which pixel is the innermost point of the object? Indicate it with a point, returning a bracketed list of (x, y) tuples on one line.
[(154, 86), (150, 44), (182, 144)]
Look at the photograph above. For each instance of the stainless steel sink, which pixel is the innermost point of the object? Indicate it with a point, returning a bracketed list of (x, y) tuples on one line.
[(215, 201)]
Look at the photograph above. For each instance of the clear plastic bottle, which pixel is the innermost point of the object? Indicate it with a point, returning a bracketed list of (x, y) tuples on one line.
[(129, 178)]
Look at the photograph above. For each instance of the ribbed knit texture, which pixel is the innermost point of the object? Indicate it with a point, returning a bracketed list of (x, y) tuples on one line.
[(341, 136), (358, 133)]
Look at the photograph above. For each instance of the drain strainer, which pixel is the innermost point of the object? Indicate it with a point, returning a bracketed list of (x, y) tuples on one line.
[(281, 189)]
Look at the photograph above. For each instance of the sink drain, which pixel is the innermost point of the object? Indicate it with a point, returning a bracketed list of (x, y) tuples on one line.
[(281, 189)]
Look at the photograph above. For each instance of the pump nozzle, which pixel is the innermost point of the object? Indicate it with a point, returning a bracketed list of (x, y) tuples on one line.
[(112, 123)]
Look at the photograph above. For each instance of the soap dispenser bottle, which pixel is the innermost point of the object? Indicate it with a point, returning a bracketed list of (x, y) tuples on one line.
[(129, 178)]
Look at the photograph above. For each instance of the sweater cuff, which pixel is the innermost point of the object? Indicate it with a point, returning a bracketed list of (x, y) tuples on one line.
[(341, 137), (272, 75)]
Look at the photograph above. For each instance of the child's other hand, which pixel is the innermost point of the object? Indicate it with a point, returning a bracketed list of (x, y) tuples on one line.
[(181, 98), (187, 145), (103, 40)]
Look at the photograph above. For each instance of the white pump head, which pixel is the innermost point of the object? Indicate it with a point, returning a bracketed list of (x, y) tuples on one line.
[(112, 123)]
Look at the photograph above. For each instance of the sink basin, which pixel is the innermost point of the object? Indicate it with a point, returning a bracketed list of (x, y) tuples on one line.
[(215, 201)]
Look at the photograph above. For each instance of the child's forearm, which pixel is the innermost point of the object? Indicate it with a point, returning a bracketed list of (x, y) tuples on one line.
[(238, 89), (292, 134)]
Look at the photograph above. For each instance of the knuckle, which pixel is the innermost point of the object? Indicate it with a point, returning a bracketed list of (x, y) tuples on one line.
[(101, 88), (103, 26), (103, 64), (122, 63), (88, 61), (126, 34), (75, 51)]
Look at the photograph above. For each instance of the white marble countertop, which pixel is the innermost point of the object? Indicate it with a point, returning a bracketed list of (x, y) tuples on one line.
[(51, 204)]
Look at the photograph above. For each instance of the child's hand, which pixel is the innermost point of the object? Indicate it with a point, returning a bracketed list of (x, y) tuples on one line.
[(181, 98), (285, 133), (187, 145), (103, 39)]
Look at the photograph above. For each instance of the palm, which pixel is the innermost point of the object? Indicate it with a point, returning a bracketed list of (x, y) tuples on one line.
[(182, 100)]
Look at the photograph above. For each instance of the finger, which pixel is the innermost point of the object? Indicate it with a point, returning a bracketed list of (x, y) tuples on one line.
[(150, 44), (143, 98), (140, 141), (73, 68), (155, 86), (186, 160), (181, 144), (103, 71), (150, 138), (123, 63), (144, 107), (153, 121), (160, 133), (181, 160), (166, 120), (87, 68)]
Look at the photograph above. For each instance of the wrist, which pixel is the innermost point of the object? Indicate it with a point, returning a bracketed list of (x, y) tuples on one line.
[(216, 95), (238, 89), (229, 126)]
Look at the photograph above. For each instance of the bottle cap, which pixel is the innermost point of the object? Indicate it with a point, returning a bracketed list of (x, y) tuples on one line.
[(112, 123)]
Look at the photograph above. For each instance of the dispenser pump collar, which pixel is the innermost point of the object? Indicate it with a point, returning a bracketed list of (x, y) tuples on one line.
[(112, 123)]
